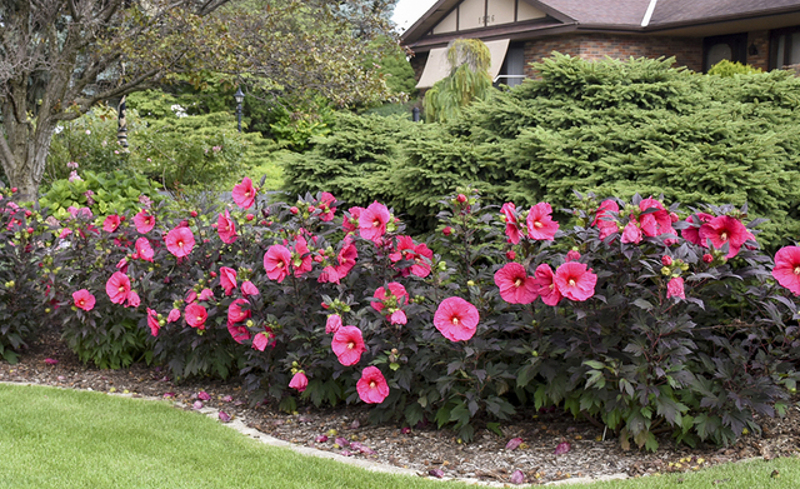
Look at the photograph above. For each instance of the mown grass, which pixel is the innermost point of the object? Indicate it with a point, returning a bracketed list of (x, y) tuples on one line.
[(54, 438)]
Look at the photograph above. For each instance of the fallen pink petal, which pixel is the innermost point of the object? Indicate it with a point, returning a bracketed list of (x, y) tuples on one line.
[(438, 473), (342, 442), (226, 399), (203, 396), (50, 361), (197, 405), (562, 448), (224, 417), (321, 439), (517, 477), (513, 443)]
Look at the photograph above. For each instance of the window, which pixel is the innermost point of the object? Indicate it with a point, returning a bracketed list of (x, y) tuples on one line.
[(732, 48), (784, 47), (513, 71)]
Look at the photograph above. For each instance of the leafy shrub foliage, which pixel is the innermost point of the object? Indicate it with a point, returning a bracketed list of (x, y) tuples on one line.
[(648, 319), (613, 128), (23, 295)]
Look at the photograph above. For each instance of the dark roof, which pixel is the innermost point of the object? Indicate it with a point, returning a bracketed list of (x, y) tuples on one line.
[(695, 11), (616, 15), (622, 12)]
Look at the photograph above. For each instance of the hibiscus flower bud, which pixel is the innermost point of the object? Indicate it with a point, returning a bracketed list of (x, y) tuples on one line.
[(294, 210), (461, 198), (510, 254), (193, 213), (707, 258), (666, 271), (666, 260), (249, 217), (447, 231)]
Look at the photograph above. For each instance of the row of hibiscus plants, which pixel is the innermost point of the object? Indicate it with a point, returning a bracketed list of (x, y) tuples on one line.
[(646, 319)]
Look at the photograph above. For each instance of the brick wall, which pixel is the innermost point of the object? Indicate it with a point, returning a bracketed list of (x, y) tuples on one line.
[(759, 39), (687, 51)]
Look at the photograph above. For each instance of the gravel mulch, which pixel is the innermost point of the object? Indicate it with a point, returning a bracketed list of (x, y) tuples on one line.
[(427, 451)]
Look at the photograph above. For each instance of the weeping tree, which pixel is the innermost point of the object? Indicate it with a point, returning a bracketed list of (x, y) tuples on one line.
[(469, 80), (59, 58)]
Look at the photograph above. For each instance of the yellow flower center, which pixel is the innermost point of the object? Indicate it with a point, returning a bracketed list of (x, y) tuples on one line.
[(351, 345), (376, 223), (199, 317), (455, 321), (180, 243), (372, 384), (797, 270), (537, 224), (518, 282), (122, 288), (723, 236), (572, 282)]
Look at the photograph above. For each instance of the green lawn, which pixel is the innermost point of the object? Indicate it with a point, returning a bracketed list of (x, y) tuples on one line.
[(54, 438)]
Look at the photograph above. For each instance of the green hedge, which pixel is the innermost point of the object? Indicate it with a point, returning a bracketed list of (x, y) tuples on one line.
[(609, 127)]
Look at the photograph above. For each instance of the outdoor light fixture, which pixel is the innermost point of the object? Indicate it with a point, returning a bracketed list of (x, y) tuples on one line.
[(239, 96)]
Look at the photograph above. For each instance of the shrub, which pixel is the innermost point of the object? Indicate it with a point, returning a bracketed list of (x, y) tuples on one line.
[(652, 319), (23, 296), (731, 68), (611, 127)]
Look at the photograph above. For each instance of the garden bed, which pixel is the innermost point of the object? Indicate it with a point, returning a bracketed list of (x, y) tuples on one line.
[(422, 449)]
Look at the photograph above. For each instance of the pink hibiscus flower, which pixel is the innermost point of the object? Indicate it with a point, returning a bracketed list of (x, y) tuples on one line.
[(541, 225), (574, 281), (239, 332), (325, 204), (632, 233), (456, 319), (372, 222), (346, 258), (605, 222), (111, 223), (333, 323), (692, 233), (264, 339), (235, 312), (348, 345), (372, 387), (227, 279), (299, 381), (654, 223), (544, 279), (301, 258), (276, 262), (248, 289), (509, 212), (133, 299), (725, 229), (351, 219), (787, 268), (118, 287), (226, 228), (144, 221), (205, 295), (397, 297), (675, 288), (174, 315), (83, 299), (244, 195), (420, 254), (180, 241), (152, 322), (516, 287), (143, 249), (196, 315)]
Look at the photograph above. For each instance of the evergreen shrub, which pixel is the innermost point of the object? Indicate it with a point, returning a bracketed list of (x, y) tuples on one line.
[(609, 127)]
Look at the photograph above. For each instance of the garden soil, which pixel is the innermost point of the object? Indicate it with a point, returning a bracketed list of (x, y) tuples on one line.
[(593, 452)]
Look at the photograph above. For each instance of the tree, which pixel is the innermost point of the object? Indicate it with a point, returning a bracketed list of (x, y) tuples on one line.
[(58, 58), (469, 80)]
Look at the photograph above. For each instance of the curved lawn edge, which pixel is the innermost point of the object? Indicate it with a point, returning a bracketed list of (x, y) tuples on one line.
[(68, 438)]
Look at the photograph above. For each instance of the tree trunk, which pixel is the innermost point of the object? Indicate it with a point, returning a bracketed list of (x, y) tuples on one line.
[(24, 160)]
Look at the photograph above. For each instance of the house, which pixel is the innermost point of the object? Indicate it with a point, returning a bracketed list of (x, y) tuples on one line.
[(698, 33)]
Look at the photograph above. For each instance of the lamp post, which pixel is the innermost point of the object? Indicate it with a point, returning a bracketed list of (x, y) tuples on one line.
[(239, 96)]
